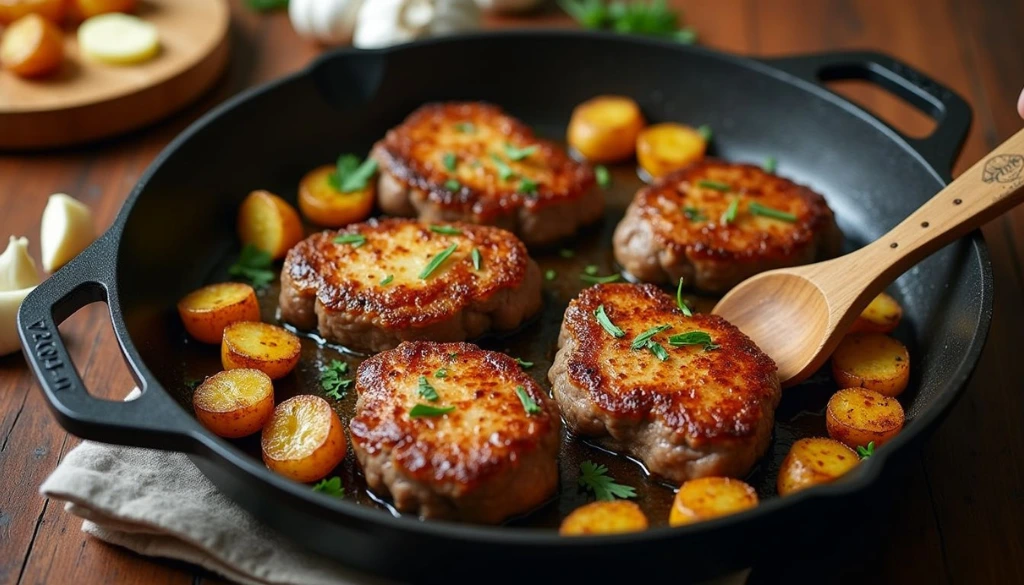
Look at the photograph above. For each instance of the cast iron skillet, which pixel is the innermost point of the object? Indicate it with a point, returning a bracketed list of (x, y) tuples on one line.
[(176, 230)]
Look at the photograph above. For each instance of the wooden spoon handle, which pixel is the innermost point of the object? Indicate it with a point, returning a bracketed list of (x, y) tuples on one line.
[(988, 189)]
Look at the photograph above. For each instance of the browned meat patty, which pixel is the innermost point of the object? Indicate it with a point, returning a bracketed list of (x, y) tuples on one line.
[(473, 162), (678, 227), (492, 455), (367, 288), (707, 409)]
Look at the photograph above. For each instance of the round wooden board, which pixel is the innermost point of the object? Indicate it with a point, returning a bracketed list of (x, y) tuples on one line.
[(87, 100)]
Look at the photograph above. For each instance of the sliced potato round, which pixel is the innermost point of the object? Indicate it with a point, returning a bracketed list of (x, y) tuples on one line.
[(813, 462), (881, 316), (32, 46), (273, 350), (663, 148), (234, 403), (269, 223), (710, 497), (605, 128), (207, 311), (613, 517), (324, 205), (873, 361), (303, 439), (858, 416)]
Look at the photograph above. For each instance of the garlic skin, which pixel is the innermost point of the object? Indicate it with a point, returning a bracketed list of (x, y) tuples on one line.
[(66, 230), (382, 23), (507, 6), (328, 21), (17, 269)]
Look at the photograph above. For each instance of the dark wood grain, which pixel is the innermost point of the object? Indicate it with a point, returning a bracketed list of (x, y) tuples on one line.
[(956, 520)]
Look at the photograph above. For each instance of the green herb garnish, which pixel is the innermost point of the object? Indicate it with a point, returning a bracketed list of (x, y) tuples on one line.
[(332, 382), (756, 208), (452, 185), (528, 186), (679, 300), (465, 127), (253, 265), (640, 341), (693, 214), (350, 175), (705, 132), (528, 404), (515, 153), (604, 178), (331, 487), (505, 172), (590, 279), (716, 185), (595, 478), (770, 164), (422, 410), (730, 214), (693, 338), (441, 373), (550, 275), (450, 160), (266, 5), (605, 322), (591, 269), (387, 280), (524, 364), (446, 230), (477, 259), (658, 351), (193, 383), (355, 239), (643, 18), (866, 452), (437, 261), (427, 391), (566, 253)]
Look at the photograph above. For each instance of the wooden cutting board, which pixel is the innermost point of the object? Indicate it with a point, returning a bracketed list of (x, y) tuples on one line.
[(87, 100)]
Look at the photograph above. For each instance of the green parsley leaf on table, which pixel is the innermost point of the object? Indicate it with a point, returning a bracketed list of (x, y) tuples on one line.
[(253, 265), (331, 487), (595, 478), (332, 381), (351, 175)]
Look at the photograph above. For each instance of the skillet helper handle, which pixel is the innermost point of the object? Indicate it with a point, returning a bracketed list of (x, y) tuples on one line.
[(951, 113), (152, 420)]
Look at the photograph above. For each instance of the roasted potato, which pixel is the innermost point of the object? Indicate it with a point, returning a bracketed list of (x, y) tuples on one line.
[(605, 128), (858, 416), (710, 497), (82, 9), (234, 403), (207, 311), (663, 148), (324, 205), (32, 46), (303, 439), (881, 316), (873, 361), (269, 223), (11, 10), (812, 462), (268, 348), (604, 518)]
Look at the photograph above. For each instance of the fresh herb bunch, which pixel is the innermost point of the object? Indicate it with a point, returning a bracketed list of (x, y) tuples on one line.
[(253, 265), (652, 18)]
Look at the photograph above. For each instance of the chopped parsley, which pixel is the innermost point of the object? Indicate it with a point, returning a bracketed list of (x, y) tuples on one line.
[(524, 364), (425, 410), (679, 300), (253, 265), (452, 185), (477, 259), (528, 186), (441, 373), (350, 175), (437, 261), (866, 452), (450, 160), (355, 239), (427, 391), (465, 127), (756, 208), (331, 487), (505, 172), (693, 338), (770, 164), (595, 478), (705, 132), (332, 382), (528, 404), (446, 230), (591, 269), (591, 279), (515, 153), (730, 214), (658, 351), (716, 185), (387, 280), (693, 214), (550, 275), (604, 178), (640, 341), (605, 322)]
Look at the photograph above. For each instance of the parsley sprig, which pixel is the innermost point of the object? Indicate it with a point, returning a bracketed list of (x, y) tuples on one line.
[(679, 300), (640, 341), (693, 338), (332, 380), (652, 18), (515, 153), (595, 478), (253, 265), (606, 323), (866, 452), (351, 175), (331, 487), (427, 391), (528, 403), (524, 364)]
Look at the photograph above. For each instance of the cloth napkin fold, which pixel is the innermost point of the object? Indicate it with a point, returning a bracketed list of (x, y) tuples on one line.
[(157, 503)]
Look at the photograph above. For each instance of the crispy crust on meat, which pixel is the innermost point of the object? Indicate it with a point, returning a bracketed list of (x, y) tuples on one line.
[(657, 242), (485, 461), (701, 412), (414, 178)]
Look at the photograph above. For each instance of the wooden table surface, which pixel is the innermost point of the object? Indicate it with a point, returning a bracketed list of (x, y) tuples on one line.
[(958, 519)]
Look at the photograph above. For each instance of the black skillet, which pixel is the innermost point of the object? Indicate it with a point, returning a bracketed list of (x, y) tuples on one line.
[(176, 232)]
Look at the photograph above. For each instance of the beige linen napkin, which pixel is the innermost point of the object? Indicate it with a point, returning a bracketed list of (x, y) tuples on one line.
[(159, 504)]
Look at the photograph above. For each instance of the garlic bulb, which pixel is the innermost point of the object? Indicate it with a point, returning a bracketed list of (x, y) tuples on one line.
[(18, 276), (389, 22), (327, 21), (66, 230), (507, 6)]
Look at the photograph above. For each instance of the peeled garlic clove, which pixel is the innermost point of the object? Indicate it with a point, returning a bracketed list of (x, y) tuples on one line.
[(382, 23), (17, 269), (10, 301), (67, 230), (327, 21)]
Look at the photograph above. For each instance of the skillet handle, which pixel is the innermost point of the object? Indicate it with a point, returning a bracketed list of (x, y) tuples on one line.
[(951, 113), (152, 420)]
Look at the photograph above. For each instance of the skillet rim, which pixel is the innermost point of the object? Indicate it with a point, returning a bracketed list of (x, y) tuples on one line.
[(861, 479)]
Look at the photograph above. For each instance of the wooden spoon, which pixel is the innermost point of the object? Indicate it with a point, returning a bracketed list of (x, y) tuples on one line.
[(799, 315)]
